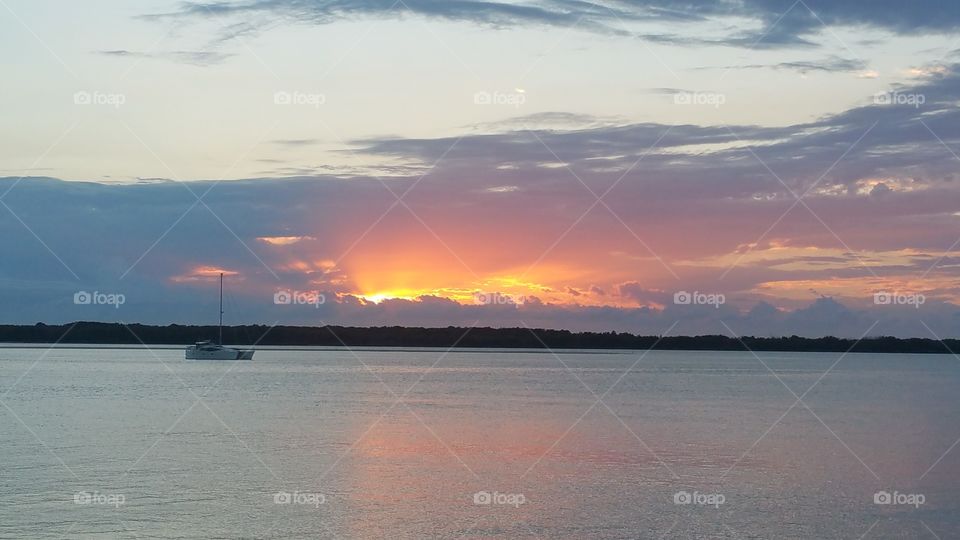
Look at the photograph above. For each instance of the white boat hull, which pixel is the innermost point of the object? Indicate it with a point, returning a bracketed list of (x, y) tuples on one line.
[(215, 352)]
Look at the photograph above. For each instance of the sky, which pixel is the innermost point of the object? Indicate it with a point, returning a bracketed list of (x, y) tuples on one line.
[(749, 167)]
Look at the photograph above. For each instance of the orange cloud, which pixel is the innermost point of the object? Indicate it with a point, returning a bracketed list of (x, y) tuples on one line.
[(203, 273), (283, 240)]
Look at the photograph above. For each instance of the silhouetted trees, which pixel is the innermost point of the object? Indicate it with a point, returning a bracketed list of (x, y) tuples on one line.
[(399, 336)]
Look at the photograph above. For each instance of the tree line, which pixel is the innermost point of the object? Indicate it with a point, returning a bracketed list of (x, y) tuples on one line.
[(404, 336)]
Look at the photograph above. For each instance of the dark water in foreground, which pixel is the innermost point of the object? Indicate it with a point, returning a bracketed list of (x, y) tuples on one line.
[(418, 444)]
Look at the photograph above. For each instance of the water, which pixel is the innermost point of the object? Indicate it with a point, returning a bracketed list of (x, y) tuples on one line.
[(398, 444)]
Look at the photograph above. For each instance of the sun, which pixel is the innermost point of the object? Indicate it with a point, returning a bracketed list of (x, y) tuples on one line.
[(401, 294)]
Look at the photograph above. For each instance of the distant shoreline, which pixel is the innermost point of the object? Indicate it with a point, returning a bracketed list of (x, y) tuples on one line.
[(135, 336), (303, 348)]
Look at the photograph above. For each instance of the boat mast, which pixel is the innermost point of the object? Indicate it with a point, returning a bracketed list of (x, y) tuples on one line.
[(220, 342)]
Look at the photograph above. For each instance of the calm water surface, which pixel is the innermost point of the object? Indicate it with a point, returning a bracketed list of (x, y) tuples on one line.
[(483, 444)]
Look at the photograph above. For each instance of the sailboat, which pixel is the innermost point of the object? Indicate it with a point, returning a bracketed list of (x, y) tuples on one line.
[(208, 350)]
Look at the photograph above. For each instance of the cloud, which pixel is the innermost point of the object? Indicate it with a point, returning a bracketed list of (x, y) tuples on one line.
[(832, 64), (196, 58), (284, 240), (272, 250), (644, 296), (697, 203), (563, 13), (314, 235), (771, 23), (295, 142), (548, 120), (897, 141)]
